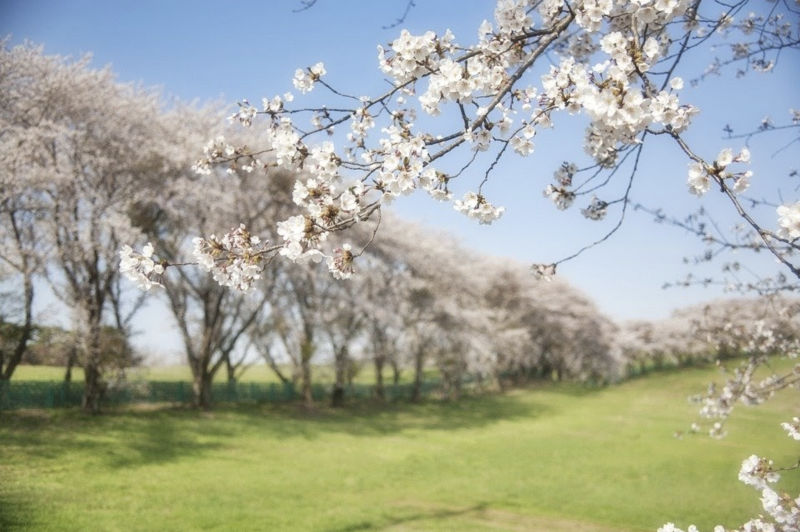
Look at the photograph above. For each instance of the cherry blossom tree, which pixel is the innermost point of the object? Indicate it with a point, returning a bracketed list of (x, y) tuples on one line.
[(79, 150), (21, 254), (646, 345), (22, 248), (214, 316), (427, 290)]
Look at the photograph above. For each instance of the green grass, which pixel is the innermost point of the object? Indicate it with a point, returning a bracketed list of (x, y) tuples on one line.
[(256, 373), (45, 373), (557, 457)]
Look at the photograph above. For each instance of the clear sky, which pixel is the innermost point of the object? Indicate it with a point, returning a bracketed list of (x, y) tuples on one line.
[(226, 51)]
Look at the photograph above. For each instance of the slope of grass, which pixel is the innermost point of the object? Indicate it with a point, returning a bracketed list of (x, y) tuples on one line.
[(557, 457)]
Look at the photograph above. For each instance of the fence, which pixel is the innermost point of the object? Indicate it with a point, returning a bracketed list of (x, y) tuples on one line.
[(48, 394)]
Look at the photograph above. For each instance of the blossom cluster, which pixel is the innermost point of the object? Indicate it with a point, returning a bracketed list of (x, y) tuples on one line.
[(413, 56), (701, 175), (218, 149), (596, 210), (789, 221), (340, 264), (304, 79), (140, 268), (757, 472), (234, 260), (475, 206)]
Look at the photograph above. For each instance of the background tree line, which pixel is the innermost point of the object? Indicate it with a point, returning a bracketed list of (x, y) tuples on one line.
[(88, 164)]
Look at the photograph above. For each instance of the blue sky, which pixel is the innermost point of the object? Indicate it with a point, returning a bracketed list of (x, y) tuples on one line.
[(226, 51)]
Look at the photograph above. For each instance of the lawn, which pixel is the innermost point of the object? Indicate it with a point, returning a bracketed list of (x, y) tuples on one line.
[(256, 373), (552, 457)]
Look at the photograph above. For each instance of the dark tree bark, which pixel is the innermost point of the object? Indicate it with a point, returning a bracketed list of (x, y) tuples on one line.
[(201, 386), (72, 359), (395, 371), (419, 362), (93, 382), (265, 354), (306, 352), (8, 363), (378, 361), (341, 361)]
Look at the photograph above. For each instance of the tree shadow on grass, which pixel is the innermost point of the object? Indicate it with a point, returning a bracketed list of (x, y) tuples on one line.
[(572, 389), (372, 418), (133, 437), (164, 441), (116, 439), (422, 515), (16, 512), (410, 516)]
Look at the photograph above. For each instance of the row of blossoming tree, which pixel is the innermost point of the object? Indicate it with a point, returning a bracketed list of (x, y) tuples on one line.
[(419, 299), (89, 164)]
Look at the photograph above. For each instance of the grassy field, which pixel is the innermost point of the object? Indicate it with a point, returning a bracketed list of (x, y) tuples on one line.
[(259, 373), (256, 373), (555, 457)]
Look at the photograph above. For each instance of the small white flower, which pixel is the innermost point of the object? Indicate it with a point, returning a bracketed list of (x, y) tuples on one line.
[(340, 264), (793, 428), (475, 206), (304, 79), (724, 158), (789, 221), (140, 267), (651, 48), (596, 210), (742, 182), (744, 156), (757, 472), (699, 182)]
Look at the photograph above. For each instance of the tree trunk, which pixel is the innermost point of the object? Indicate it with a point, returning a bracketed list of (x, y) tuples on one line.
[(380, 393), (92, 389), (395, 372), (274, 367), (501, 381), (306, 352), (352, 371), (340, 361), (419, 362), (231, 369), (456, 389), (27, 329), (201, 386), (8, 365), (72, 359), (92, 381)]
